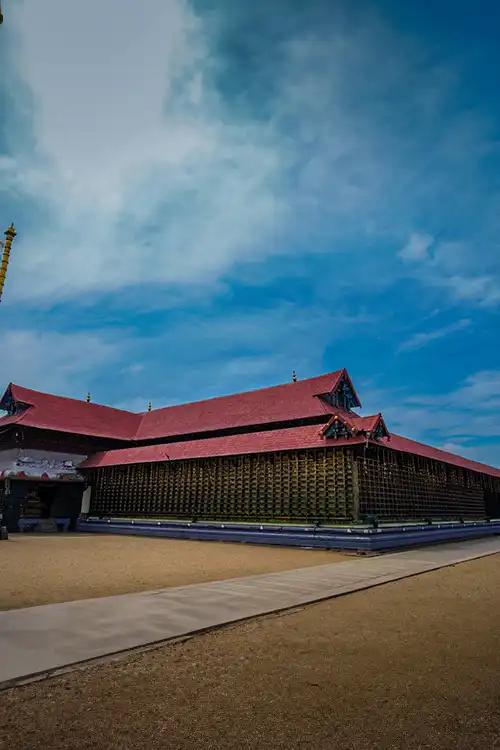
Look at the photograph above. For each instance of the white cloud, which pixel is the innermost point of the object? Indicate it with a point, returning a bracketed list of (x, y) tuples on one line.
[(146, 175), (483, 290), (133, 369), (465, 420), (147, 178), (419, 340), (488, 453), (479, 390), (100, 73), (62, 363), (217, 354), (452, 267), (417, 247), (453, 447), (136, 404)]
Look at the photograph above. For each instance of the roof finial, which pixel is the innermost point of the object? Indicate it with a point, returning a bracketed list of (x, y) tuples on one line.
[(87, 398), (294, 376), (150, 405)]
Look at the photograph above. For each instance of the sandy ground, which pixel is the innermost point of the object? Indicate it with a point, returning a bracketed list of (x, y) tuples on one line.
[(39, 569), (411, 664)]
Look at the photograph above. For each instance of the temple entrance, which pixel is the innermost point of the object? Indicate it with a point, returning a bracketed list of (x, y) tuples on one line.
[(39, 500), (41, 505), (47, 494)]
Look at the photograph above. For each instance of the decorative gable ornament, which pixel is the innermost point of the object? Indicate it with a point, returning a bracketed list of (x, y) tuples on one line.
[(343, 427), (343, 394), (339, 428)]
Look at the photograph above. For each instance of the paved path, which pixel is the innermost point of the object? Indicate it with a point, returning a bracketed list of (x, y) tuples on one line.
[(37, 640)]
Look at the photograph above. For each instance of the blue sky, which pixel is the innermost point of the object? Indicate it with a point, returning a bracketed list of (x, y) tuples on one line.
[(209, 194)]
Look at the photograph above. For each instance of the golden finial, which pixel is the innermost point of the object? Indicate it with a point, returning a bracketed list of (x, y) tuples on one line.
[(10, 233), (150, 405), (87, 398)]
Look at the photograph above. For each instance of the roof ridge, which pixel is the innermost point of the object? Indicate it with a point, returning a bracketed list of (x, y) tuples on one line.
[(242, 393), (146, 415), (296, 400), (71, 398), (252, 390), (143, 414), (377, 415)]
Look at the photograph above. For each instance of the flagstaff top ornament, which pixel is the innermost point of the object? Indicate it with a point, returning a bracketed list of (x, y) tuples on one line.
[(10, 233)]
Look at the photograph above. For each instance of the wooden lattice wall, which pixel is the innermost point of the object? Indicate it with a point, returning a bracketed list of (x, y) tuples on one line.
[(322, 484), (313, 484), (396, 485)]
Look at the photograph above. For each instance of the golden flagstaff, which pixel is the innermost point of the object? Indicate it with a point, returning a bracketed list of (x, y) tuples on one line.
[(10, 233)]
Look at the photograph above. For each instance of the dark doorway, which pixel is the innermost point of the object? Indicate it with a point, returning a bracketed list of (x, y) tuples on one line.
[(492, 504), (46, 500), (47, 494)]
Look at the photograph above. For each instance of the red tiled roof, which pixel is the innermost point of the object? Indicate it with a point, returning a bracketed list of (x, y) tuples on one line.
[(361, 424), (399, 443), (367, 424), (282, 403), (279, 403), (292, 438), (46, 411)]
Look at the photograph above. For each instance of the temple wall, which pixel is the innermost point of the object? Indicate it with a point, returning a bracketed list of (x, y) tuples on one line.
[(396, 485), (333, 484), (314, 484)]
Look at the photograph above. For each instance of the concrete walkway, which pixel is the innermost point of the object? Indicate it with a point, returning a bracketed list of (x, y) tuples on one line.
[(39, 640)]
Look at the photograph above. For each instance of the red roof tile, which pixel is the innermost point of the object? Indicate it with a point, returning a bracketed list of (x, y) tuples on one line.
[(399, 443), (352, 421), (367, 424), (279, 403), (46, 411), (282, 403), (292, 438)]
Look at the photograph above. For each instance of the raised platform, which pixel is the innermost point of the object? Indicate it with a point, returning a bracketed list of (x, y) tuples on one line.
[(356, 538), (52, 524)]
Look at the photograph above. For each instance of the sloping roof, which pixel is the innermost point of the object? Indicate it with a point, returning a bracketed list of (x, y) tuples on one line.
[(280, 403), (366, 424), (292, 438), (46, 411), (399, 443), (360, 424)]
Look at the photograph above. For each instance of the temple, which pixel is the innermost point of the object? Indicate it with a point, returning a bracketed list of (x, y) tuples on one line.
[(297, 451)]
